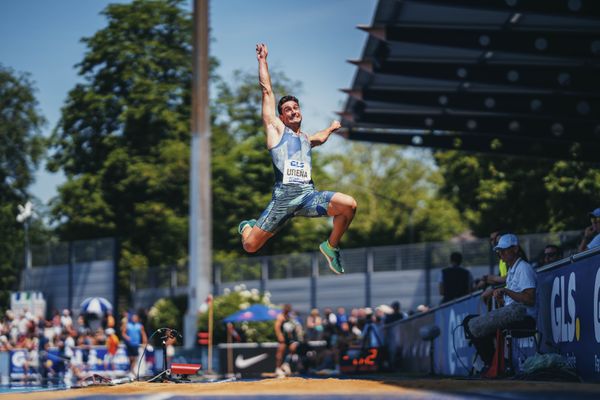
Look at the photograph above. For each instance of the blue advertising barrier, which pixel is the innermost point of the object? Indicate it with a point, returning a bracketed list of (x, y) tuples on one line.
[(569, 314), (97, 361), (452, 353), (568, 296)]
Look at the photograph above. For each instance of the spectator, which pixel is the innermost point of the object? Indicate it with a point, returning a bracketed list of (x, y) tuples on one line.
[(329, 327), (494, 238), (65, 320), (591, 234), (353, 317), (517, 298), (502, 270), (376, 335), (56, 323), (5, 343), (108, 320), (487, 295), (396, 314), (455, 281), (112, 345), (552, 253), (341, 316), (314, 325), (134, 335), (286, 333)]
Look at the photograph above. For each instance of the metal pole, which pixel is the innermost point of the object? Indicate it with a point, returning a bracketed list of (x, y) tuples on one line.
[(70, 266), (27, 247), (314, 275), (428, 250), (368, 276), (200, 222), (264, 274)]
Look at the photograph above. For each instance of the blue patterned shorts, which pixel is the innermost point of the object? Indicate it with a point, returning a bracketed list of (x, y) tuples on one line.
[(290, 201)]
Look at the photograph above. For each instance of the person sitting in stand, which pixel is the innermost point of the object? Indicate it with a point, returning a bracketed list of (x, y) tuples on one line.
[(518, 301)]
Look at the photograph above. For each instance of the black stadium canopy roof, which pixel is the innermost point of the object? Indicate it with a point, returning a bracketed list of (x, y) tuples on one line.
[(518, 77)]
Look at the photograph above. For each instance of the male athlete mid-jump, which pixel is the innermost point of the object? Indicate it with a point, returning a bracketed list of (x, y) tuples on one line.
[(294, 193)]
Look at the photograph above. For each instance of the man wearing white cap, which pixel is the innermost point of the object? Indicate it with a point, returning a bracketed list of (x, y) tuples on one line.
[(591, 234), (517, 298)]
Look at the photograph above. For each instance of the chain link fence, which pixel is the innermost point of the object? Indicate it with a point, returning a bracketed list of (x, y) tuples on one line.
[(389, 258), (361, 264), (415, 256), (80, 251)]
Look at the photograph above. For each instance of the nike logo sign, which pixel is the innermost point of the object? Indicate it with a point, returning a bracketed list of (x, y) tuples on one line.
[(242, 363)]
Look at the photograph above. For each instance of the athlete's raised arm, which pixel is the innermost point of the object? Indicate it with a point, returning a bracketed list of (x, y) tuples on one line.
[(321, 137), (273, 125)]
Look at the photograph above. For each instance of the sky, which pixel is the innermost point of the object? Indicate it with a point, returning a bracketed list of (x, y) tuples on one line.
[(309, 40)]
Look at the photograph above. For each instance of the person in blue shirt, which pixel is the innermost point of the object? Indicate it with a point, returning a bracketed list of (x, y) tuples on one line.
[(294, 193), (134, 335)]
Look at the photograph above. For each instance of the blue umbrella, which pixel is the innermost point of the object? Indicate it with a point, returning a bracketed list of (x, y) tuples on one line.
[(256, 312), (95, 305)]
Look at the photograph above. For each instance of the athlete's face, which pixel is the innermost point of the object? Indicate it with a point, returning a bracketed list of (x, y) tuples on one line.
[(290, 113)]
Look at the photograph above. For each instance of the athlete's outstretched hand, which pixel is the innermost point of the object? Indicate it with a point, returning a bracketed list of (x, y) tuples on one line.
[(261, 51), (335, 125)]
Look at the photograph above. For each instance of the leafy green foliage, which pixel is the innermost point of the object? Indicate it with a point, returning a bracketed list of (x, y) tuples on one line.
[(524, 195), (230, 302), (165, 313), (572, 191), (397, 196), (122, 140), (21, 147)]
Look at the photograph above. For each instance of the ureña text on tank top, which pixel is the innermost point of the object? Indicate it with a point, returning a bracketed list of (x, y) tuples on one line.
[(291, 157)]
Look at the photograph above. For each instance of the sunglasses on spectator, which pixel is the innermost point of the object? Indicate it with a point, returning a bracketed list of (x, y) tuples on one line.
[(551, 254)]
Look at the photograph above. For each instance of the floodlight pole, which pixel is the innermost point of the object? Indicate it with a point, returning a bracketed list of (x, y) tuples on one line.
[(200, 220), (25, 214), (27, 247)]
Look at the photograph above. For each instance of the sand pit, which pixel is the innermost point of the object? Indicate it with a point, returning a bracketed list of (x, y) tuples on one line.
[(393, 386)]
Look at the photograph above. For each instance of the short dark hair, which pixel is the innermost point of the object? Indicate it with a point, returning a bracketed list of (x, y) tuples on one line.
[(285, 99), (456, 258), (559, 251)]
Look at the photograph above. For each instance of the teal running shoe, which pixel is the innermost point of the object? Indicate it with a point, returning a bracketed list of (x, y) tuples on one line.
[(244, 223), (332, 254)]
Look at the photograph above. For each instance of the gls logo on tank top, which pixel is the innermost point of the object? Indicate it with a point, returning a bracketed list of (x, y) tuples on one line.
[(296, 172)]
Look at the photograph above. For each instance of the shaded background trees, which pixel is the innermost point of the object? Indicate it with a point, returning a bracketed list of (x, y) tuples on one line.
[(521, 194), (21, 147), (122, 140)]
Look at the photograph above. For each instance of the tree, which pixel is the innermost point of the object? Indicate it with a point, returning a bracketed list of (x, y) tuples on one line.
[(519, 194), (21, 146), (397, 195), (122, 140), (573, 190)]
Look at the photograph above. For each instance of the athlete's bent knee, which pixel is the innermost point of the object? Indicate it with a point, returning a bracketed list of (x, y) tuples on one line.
[(252, 245), (351, 207), (353, 204)]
